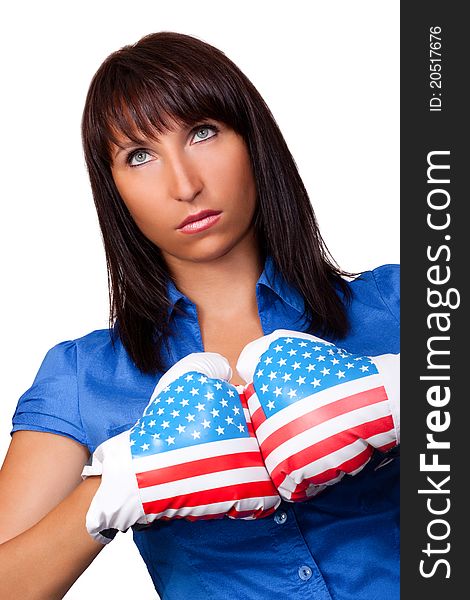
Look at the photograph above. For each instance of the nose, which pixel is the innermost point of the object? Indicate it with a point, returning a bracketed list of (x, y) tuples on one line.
[(183, 178)]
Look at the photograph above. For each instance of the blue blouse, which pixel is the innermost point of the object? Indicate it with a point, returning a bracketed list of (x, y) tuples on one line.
[(341, 545)]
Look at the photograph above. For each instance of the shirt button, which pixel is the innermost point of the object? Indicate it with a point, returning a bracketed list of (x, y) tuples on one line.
[(305, 573), (280, 517)]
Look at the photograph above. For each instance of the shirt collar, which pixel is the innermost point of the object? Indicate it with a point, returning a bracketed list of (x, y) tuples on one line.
[(270, 278), (273, 279), (174, 294)]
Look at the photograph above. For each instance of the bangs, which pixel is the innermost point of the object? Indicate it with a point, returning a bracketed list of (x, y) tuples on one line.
[(148, 96), (139, 114)]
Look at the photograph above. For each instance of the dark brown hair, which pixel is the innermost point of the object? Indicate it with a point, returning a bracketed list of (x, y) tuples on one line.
[(139, 91)]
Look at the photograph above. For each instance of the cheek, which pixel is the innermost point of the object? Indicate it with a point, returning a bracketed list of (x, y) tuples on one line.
[(232, 173), (148, 218), (139, 198)]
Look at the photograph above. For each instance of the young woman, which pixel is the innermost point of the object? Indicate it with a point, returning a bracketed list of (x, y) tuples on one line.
[(211, 242)]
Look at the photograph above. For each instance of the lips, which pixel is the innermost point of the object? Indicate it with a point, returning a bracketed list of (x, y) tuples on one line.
[(198, 216)]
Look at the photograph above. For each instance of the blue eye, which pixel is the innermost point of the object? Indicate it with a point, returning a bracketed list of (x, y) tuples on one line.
[(204, 130), (200, 134), (138, 157)]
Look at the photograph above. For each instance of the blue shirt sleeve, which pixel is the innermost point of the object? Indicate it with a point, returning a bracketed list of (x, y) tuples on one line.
[(52, 404), (387, 279)]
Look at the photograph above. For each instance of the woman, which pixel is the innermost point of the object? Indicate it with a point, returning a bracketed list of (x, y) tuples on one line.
[(172, 132)]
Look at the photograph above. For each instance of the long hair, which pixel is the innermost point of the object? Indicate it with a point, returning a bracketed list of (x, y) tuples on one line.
[(140, 91)]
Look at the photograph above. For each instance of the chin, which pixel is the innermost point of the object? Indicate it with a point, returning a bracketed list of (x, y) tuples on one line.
[(208, 255), (201, 253)]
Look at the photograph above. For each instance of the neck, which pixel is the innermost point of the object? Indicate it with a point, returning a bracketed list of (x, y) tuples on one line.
[(220, 287)]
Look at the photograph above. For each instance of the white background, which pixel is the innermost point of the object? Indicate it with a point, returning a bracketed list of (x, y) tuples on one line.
[(328, 71)]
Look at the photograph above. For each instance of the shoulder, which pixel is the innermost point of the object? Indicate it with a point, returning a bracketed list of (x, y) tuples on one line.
[(85, 388), (374, 311), (66, 351), (68, 358), (381, 285)]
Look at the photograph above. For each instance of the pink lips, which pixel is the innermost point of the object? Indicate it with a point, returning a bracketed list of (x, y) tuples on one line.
[(200, 221)]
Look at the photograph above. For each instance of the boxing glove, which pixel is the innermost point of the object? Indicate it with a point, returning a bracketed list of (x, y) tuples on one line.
[(192, 455), (318, 411)]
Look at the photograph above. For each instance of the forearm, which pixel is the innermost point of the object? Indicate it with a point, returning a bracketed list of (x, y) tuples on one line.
[(43, 562)]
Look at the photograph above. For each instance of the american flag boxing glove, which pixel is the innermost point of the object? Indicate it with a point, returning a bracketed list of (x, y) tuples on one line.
[(317, 410), (193, 454)]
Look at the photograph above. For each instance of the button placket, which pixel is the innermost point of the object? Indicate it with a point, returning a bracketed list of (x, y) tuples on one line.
[(280, 517), (305, 572), (298, 563)]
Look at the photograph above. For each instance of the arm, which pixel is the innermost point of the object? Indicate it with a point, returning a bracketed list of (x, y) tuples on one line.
[(44, 544)]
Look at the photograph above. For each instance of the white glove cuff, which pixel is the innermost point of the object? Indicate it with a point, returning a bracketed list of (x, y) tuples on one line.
[(388, 366), (117, 503)]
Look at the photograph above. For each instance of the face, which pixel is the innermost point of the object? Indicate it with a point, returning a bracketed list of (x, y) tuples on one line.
[(184, 172)]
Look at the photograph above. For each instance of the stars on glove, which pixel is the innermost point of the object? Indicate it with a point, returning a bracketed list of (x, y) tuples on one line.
[(194, 409), (303, 367)]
